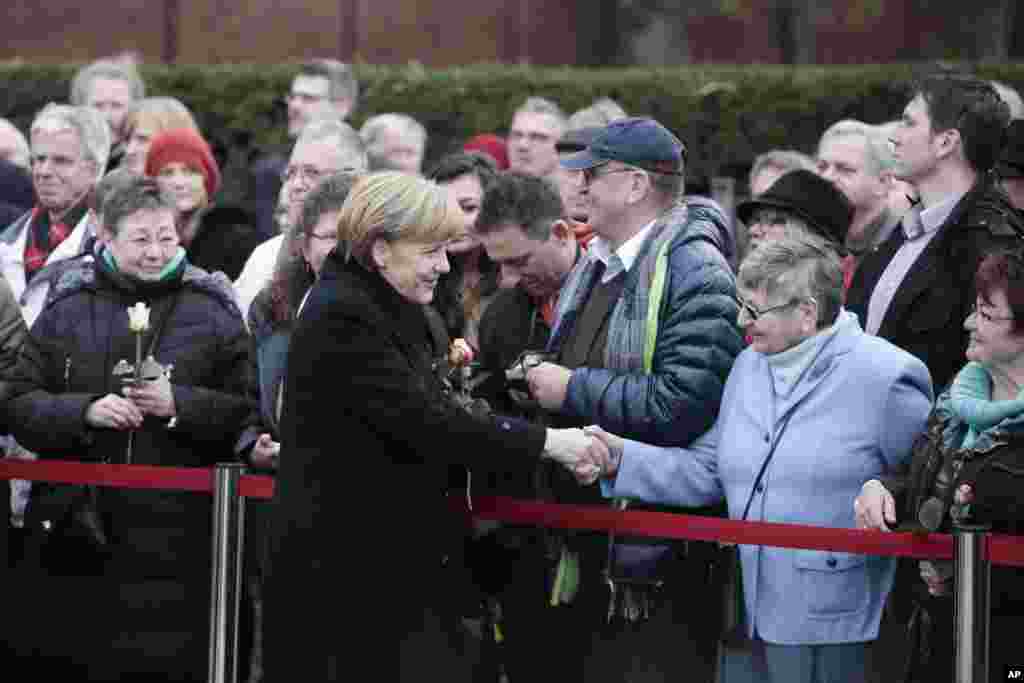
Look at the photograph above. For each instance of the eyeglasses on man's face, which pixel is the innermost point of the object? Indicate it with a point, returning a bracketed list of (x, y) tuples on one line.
[(594, 172)]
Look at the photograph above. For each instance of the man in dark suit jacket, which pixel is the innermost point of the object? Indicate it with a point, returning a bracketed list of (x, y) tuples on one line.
[(916, 288)]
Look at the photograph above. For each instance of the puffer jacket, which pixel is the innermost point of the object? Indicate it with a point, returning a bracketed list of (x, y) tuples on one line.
[(697, 341), (67, 363)]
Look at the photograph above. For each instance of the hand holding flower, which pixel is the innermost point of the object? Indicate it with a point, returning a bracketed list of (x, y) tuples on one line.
[(154, 397)]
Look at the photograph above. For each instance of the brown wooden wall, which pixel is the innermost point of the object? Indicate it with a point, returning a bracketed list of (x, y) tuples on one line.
[(433, 32)]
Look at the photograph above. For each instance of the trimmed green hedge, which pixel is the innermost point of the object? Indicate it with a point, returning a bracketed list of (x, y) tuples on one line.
[(725, 114)]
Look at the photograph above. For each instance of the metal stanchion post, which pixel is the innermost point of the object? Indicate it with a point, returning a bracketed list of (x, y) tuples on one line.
[(971, 616), (226, 585)]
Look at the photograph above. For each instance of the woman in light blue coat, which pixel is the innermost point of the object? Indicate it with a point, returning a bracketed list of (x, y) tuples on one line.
[(812, 409)]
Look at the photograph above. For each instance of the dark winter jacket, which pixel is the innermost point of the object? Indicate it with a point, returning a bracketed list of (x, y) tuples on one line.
[(696, 343), (360, 525), (67, 363)]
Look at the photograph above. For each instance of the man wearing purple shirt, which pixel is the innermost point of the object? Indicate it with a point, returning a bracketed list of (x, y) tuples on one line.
[(917, 288)]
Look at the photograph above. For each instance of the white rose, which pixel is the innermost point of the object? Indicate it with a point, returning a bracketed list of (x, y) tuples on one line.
[(138, 317)]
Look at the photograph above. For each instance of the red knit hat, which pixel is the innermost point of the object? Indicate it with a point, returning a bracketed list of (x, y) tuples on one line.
[(491, 145), (185, 146)]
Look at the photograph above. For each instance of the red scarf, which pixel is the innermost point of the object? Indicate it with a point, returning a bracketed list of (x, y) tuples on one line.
[(45, 235)]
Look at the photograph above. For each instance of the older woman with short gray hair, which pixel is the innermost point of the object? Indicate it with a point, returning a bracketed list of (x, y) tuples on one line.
[(812, 409)]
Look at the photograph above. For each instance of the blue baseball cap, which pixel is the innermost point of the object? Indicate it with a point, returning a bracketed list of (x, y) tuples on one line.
[(636, 141)]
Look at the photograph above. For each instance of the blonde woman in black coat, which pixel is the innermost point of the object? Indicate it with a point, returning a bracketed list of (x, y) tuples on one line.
[(359, 569)]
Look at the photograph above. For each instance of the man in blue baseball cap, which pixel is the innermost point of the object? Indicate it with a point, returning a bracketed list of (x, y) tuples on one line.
[(643, 338)]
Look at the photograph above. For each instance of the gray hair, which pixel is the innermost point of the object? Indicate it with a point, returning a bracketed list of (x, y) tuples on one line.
[(105, 68), (87, 123), (117, 179), (876, 142), (1009, 94), (131, 195), (797, 267), (341, 82), (403, 124), (599, 114), (785, 160), (541, 105), (22, 154), (350, 144)]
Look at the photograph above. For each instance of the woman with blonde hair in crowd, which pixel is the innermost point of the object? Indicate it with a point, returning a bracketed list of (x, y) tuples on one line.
[(360, 527), (145, 120)]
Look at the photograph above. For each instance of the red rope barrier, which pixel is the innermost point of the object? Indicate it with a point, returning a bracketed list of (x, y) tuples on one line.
[(1002, 550)]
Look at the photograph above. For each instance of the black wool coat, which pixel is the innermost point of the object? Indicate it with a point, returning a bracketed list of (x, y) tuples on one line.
[(360, 528)]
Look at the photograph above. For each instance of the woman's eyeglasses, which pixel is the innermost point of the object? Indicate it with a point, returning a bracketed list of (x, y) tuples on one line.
[(754, 313)]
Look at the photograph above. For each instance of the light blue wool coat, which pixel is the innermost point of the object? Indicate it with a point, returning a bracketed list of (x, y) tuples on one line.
[(856, 411)]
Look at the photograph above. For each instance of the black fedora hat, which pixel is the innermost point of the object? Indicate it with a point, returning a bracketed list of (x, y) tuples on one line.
[(1011, 160), (806, 195)]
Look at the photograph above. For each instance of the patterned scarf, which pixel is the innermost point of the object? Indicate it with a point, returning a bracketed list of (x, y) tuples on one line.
[(45, 235), (627, 327)]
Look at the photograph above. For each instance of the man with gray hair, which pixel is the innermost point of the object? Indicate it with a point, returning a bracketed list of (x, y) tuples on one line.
[(394, 142), (322, 88), (772, 165), (70, 147), (536, 125), (857, 158), (326, 146), (602, 112), (111, 86)]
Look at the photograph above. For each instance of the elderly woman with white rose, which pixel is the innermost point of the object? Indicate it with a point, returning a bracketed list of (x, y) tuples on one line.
[(118, 579), (812, 409), (969, 464)]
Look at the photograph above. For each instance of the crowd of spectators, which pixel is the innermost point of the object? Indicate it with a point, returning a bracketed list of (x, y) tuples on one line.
[(551, 314)]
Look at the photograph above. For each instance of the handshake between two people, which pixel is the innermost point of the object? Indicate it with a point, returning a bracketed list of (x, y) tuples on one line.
[(589, 453)]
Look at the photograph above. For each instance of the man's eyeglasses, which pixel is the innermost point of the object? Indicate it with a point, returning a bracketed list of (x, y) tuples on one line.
[(752, 312), (305, 98), (311, 174), (593, 173)]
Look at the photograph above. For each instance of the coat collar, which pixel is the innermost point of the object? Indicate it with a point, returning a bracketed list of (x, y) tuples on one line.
[(841, 343), (407, 319)]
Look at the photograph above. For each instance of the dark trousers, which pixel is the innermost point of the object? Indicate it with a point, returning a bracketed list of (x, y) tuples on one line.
[(676, 643)]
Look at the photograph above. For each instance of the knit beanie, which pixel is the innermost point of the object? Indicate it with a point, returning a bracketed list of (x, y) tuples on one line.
[(491, 145), (185, 146)]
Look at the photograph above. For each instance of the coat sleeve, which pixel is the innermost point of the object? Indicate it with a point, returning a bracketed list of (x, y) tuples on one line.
[(12, 336), (905, 414), (43, 419), (697, 343), (349, 365), (669, 475), (220, 413)]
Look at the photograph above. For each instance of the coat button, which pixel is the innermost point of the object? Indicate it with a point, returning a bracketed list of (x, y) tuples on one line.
[(760, 488), (767, 438), (831, 562)]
